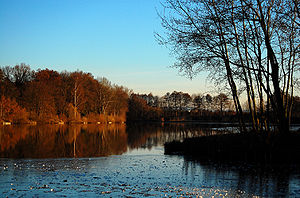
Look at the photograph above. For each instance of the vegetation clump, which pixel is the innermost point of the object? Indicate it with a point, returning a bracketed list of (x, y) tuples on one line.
[(248, 147)]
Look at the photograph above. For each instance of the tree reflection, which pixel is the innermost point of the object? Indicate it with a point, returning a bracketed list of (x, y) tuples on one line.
[(10, 136), (148, 135), (56, 141), (243, 178)]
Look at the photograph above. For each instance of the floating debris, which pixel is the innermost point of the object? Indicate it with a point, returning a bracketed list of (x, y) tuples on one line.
[(106, 192)]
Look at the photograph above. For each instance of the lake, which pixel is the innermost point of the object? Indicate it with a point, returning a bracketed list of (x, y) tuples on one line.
[(127, 161)]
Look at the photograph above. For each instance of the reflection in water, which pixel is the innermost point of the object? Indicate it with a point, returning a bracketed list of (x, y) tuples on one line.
[(153, 175), (247, 179), (149, 135), (59, 141), (56, 141)]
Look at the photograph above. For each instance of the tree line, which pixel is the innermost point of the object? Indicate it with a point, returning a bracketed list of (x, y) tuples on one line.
[(76, 97), (179, 106), (50, 96), (58, 97)]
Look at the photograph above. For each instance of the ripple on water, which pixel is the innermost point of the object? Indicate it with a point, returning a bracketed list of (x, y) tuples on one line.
[(135, 176)]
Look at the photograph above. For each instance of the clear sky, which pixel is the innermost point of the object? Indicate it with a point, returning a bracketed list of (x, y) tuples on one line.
[(108, 38)]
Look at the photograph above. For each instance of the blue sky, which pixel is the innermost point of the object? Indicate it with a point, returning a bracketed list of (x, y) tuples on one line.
[(112, 39)]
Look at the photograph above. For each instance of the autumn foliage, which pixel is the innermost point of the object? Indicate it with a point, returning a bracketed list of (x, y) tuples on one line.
[(11, 111), (49, 96), (139, 110)]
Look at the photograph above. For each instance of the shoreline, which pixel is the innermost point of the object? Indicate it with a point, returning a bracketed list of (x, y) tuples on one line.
[(246, 147)]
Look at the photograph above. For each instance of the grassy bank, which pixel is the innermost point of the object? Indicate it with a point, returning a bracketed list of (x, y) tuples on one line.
[(250, 147)]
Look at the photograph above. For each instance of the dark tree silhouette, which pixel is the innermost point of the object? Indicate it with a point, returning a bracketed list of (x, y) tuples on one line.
[(252, 44)]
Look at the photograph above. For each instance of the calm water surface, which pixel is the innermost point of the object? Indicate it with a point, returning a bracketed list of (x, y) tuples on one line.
[(126, 161)]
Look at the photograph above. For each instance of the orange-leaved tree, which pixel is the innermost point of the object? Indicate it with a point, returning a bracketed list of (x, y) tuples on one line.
[(11, 111)]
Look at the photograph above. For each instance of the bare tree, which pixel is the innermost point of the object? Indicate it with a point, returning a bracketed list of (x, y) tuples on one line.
[(221, 101), (198, 101), (104, 96), (199, 32), (18, 75), (253, 44)]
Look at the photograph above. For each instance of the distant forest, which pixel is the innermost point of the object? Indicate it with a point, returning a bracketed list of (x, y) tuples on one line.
[(49, 96)]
